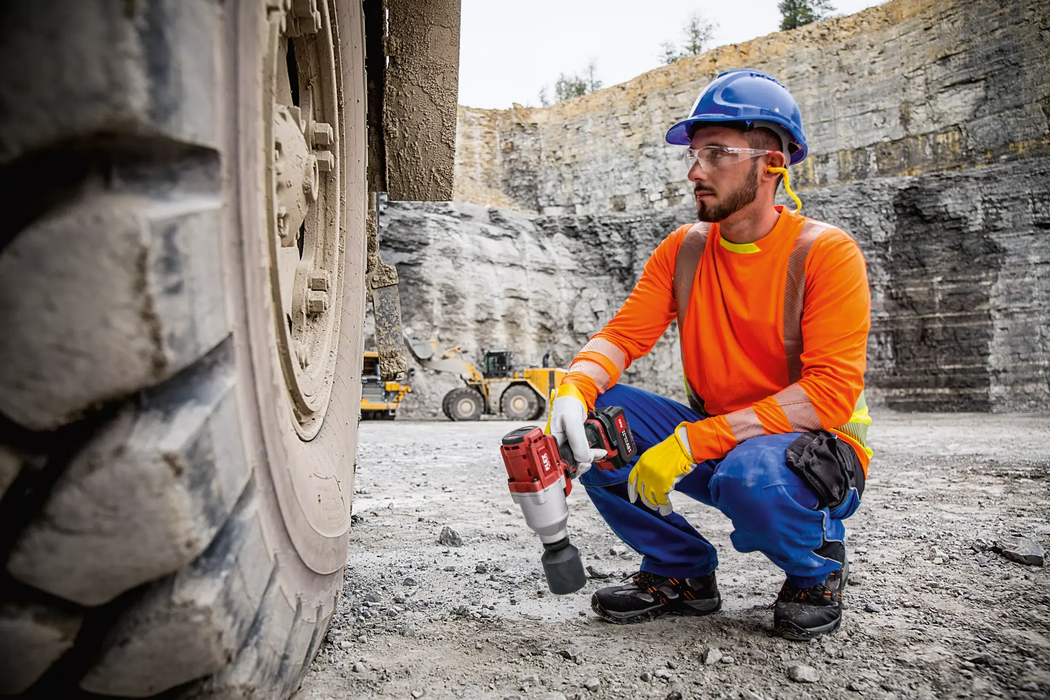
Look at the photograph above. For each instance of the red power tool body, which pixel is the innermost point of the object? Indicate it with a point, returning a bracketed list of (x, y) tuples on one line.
[(539, 478)]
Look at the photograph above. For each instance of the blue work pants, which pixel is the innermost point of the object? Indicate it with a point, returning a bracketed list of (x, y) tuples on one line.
[(772, 509)]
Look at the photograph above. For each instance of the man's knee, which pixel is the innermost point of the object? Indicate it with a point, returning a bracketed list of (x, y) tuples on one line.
[(756, 483)]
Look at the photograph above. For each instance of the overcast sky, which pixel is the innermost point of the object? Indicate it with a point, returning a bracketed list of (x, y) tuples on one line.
[(509, 50)]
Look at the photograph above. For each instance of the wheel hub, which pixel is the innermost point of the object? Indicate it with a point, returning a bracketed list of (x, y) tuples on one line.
[(306, 239)]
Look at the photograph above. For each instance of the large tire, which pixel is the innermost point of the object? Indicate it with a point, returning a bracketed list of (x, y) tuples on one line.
[(521, 403), (179, 369), (463, 404)]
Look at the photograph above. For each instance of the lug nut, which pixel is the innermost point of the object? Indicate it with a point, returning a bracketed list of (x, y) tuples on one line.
[(317, 303), (309, 18), (321, 134), (325, 161), (319, 282)]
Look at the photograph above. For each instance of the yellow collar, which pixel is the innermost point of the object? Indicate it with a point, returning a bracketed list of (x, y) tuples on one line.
[(739, 247)]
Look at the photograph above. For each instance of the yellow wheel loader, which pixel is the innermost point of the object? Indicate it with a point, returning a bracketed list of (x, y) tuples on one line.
[(498, 389), (379, 399)]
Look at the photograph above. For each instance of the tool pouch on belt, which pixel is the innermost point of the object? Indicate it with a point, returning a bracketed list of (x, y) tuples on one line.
[(828, 465)]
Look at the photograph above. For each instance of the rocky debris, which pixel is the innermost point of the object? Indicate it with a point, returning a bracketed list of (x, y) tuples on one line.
[(645, 676), (596, 573), (574, 654), (416, 694), (552, 696), (358, 667), (481, 568), (872, 607), (801, 673), (750, 695), (857, 686), (618, 551), (409, 581), (444, 659), (592, 684), (728, 660), (1020, 549), (662, 673), (450, 538), (712, 656), (674, 695), (982, 545)]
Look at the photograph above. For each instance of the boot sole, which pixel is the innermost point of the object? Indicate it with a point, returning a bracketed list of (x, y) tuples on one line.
[(685, 609), (789, 630)]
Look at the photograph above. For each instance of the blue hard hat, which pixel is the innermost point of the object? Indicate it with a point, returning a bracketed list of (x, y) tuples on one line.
[(753, 98)]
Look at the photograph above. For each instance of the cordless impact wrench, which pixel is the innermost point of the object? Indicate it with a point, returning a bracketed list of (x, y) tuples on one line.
[(540, 477)]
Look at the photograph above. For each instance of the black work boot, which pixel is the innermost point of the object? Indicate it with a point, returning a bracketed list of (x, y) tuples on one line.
[(808, 613), (647, 596)]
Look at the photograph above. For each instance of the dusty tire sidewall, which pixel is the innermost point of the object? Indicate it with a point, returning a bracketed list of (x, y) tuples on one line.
[(292, 474)]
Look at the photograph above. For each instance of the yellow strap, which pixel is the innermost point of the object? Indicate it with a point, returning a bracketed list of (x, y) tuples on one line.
[(787, 186), (550, 412)]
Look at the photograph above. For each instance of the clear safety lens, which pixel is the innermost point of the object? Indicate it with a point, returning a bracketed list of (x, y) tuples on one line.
[(715, 157)]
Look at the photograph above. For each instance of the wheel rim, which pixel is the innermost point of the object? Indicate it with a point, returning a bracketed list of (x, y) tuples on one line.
[(518, 404), (305, 206), (465, 407)]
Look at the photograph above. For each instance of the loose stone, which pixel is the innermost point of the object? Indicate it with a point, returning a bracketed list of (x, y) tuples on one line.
[(800, 673), (593, 572), (450, 538), (592, 684), (1022, 550), (712, 656)]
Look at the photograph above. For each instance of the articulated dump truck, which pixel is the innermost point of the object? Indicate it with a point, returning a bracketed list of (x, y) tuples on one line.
[(187, 248)]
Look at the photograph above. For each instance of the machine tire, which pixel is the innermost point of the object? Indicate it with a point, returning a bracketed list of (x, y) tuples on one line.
[(463, 404), (520, 402), (153, 458)]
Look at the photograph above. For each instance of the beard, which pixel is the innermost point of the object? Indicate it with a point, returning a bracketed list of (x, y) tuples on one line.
[(734, 201)]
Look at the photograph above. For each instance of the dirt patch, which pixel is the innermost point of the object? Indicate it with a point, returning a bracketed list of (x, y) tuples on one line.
[(929, 615)]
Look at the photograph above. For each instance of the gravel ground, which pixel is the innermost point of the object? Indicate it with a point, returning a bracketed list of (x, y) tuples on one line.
[(929, 614)]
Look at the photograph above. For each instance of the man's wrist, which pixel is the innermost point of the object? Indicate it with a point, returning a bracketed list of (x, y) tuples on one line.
[(570, 388), (682, 434)]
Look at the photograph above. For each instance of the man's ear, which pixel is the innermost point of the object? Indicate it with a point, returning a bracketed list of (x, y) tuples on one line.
[(776, 160)]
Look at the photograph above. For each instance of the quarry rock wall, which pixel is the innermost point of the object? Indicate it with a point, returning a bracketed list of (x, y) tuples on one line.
[(928, 128)]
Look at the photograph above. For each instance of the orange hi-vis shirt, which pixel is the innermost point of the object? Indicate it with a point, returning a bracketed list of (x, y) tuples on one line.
[(774, 333)]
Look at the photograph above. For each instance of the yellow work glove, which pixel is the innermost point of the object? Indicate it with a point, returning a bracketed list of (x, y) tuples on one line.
[(659, 470)]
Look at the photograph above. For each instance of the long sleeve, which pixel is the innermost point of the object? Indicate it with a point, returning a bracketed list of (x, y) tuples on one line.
[(835, 323), (635, 328)]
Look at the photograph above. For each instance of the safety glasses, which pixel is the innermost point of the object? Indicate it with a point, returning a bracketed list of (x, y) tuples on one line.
[(715, 157)]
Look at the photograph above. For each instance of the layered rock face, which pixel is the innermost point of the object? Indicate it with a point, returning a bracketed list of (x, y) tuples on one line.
[(928, 128)]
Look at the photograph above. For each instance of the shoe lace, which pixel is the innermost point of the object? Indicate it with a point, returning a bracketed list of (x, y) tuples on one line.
[(814, 594), (643, 579)]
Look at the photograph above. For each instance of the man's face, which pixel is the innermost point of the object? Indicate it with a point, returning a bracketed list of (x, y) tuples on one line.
[(722, 192)]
